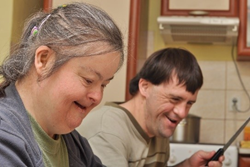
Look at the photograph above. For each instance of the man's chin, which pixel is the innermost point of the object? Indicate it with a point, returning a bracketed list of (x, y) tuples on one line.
[(166, 135)]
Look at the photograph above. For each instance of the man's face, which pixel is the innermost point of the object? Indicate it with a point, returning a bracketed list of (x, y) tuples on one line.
[(165, 106)]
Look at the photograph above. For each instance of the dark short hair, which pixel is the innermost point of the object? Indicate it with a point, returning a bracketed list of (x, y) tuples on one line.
[(163, 64)]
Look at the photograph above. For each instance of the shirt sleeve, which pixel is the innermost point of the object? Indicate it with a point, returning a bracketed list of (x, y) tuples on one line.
[(110, 149)]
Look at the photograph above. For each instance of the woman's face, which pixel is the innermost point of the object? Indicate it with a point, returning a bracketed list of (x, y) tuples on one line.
[(69, 94)]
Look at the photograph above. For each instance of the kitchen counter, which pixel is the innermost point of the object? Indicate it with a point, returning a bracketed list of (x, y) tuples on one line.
[(244, 150), (243, 147)]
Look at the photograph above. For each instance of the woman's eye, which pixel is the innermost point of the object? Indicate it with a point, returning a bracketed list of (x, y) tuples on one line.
[(88, 81)]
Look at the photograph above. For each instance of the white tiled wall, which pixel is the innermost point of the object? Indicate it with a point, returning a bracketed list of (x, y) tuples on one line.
[(221, 83)]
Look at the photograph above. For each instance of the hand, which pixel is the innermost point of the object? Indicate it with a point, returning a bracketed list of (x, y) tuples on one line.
[(200, 159), (215, 163)]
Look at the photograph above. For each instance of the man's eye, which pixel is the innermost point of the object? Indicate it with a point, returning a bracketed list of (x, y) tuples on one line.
[(103, 86), (175, 99)]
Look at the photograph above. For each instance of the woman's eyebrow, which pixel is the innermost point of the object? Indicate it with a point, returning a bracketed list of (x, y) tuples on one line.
[(100, 75), (97, 73), (110, 78)]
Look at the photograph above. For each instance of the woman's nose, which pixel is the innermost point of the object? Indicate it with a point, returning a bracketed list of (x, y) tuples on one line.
[(95, 95)]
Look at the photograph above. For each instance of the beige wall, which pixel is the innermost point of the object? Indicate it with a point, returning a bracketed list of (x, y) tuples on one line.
[(12, 16), (5, 27), (22, 9)]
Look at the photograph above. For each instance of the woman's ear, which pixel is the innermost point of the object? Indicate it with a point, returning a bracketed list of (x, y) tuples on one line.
[(144, 86), (44, 57)]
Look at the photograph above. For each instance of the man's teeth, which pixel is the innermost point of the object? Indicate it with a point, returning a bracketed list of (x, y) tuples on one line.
[(172, 120)]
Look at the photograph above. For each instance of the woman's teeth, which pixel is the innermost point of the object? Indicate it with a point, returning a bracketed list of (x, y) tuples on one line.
[(79, 105)]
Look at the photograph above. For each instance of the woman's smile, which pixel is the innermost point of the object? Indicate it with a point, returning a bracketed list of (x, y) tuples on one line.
[(79, 105)]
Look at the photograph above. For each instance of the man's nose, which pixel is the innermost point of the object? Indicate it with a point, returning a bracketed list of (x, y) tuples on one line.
[(181, 110)]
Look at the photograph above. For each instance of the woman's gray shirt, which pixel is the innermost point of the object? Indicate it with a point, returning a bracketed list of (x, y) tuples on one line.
[(18, 147)]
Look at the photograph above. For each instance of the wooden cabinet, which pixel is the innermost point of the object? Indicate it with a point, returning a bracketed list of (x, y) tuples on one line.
[(228, 8), (244, 160), (137, 38), (243, 38), (47, 5)]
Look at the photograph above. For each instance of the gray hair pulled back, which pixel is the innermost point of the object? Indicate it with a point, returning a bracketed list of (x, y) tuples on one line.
[(67, 30)]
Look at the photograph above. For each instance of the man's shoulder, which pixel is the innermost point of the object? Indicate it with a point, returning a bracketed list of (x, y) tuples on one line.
[(108, 112), (107, 119)]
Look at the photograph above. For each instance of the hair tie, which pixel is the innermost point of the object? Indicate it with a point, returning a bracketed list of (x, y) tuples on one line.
[(62, 6), (35, 29)]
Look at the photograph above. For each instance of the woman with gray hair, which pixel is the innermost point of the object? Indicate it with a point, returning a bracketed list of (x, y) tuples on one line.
[(50, 83)]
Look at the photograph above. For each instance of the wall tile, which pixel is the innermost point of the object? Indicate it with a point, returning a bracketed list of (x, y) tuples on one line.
[(214, 73), (210, 104), (212, 131), (231, 127), (232, 78), (221, 83), (150, 43), (233, 81), (242, 105)]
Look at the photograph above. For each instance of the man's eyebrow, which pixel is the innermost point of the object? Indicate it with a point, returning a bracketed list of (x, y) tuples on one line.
[(192, 101), (175, 96), (181, 98)]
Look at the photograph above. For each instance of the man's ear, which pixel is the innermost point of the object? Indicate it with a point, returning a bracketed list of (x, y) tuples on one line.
[(144, 86), (44, 56)]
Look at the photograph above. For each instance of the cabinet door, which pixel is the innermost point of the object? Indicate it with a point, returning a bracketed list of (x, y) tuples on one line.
[(244, 161), (227, 8), (244, 30), (47, 5)]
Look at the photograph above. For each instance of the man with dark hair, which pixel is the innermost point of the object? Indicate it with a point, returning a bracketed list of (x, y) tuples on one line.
[(136, 132)]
